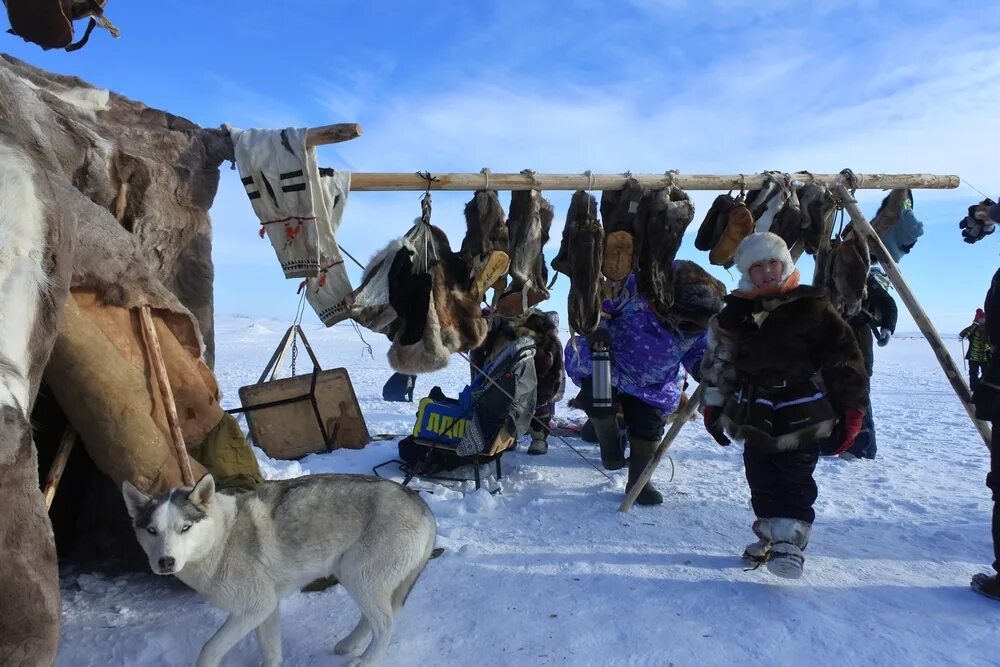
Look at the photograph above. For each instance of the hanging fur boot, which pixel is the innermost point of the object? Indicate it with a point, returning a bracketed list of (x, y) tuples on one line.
[(642, 454), (790, 537), (619, 209), (758, 552), (579, 257), (609, 437), (714, 223), (738, 227)]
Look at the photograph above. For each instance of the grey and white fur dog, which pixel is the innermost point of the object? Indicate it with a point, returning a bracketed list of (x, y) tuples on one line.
[(246, 551)]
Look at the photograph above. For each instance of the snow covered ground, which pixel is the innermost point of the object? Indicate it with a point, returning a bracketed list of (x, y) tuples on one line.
[(549, 573)]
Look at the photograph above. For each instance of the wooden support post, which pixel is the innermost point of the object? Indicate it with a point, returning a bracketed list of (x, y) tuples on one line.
[(916, 311), (681, 418), (362, 181), (58, 465), (158, 368)]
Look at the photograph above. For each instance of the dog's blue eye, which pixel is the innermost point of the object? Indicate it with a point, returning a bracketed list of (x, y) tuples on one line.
[(151, 530), (185, 527)]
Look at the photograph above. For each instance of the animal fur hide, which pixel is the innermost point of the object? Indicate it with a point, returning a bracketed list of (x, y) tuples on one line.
[(485, 229), (788, 222), (528, 225), (663, 216), (844, 272), (123, 193), (437, 313), (818, 208), (579, 257)]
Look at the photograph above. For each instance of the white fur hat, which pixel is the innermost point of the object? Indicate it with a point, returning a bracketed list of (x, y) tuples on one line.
[(757, 248)]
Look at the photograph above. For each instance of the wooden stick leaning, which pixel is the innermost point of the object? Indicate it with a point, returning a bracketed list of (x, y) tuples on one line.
[(680, 419), (924, 323), (373, 181), (158, 368), (58, 465)]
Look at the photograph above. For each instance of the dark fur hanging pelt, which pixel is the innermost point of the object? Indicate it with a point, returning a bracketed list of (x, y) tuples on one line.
[(843, 272), (485, 229), (788, 221), (662, 218), (818, 208), (579, 257), (528, 231)]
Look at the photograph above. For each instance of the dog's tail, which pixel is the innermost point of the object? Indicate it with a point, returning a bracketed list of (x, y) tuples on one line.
[(406, 585)]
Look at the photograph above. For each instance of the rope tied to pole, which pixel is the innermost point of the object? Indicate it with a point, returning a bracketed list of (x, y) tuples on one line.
[(485, 171)]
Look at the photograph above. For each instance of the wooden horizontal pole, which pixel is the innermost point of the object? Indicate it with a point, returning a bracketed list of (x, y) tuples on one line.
[(332, 134), (923, 322), (371, 181)]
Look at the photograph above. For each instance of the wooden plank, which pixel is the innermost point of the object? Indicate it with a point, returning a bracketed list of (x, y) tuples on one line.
[(152, 342), (58, 465), (368, 181), (948, 365), (332, 134), (682, 417)]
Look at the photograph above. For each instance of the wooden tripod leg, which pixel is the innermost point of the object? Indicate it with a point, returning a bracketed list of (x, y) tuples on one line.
[(152, 342), (683, 416), (58, 465)]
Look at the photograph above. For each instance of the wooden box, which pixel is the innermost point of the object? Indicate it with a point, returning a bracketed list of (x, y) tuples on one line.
[(291, 430)]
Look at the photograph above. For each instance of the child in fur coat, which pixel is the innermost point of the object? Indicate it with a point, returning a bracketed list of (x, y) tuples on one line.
[(764, 350)]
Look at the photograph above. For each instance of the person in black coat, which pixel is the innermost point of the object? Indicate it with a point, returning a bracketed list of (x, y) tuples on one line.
[(987, 400)]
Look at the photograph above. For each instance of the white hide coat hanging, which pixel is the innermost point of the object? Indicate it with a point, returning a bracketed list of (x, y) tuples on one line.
[(328, 293), (280, 175)]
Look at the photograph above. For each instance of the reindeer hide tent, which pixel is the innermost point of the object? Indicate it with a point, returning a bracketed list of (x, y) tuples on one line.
[(109, 199)]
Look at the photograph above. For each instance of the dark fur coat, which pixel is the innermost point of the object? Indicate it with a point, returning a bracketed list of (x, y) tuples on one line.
[(768, 350)]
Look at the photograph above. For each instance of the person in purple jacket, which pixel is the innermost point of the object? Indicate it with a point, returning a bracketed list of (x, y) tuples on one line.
[(647, 352)]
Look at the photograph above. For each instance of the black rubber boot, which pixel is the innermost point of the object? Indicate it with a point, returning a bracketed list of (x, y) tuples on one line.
[(610, 439), (642, 454)]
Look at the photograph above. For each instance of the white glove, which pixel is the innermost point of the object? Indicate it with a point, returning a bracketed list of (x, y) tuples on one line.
[(883, 336)]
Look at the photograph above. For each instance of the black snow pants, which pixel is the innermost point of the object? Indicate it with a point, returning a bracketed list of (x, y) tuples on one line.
[(781, 483)]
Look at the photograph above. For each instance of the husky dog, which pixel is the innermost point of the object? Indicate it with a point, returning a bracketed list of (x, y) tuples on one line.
[(245, 552)]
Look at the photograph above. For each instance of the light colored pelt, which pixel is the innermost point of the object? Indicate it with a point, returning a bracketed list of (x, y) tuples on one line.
[(22, 278), (428, 354)]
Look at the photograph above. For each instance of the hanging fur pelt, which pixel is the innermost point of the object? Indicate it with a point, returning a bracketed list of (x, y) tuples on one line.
[(528, 226), (579, 257), (818, 208), (528, 231), (788, 222), (437, 314), (662, 218), (843, 270), (619, 211), (485, 230), (715, 222)]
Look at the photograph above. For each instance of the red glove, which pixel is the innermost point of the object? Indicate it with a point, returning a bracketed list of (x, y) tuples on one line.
[(852, 426), (711, 414)]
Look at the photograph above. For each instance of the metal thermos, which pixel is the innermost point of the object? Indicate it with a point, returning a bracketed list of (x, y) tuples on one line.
[(600, 355)]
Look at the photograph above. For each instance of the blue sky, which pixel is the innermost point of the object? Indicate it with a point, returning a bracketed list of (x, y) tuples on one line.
[(641, 85)]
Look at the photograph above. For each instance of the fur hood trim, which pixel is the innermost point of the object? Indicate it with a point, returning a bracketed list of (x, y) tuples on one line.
[(757, 248)]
